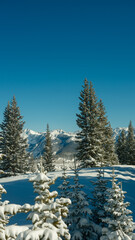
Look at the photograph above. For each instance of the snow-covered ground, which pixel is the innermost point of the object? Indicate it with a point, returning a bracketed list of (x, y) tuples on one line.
[(20, 190)]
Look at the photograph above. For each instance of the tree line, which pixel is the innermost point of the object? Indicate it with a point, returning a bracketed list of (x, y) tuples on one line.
[(105, 215), (125, 146), (96, 144)]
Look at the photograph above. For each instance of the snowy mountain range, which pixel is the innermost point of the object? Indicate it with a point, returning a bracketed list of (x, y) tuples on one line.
[(64, 143)]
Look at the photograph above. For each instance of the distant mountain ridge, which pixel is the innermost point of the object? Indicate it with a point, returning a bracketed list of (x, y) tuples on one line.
[(64, 143)]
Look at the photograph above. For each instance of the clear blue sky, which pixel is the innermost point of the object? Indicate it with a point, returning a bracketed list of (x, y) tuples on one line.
[(48, 47)]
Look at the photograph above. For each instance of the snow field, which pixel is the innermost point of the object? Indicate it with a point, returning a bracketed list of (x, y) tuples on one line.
[(20, 190)]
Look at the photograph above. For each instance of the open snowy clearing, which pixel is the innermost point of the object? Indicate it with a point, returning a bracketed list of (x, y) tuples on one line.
[(20, 190)]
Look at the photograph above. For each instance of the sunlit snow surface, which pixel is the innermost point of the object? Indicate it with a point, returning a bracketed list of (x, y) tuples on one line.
[(20, 190)]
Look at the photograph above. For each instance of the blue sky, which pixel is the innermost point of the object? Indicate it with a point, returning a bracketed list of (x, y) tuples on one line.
[(48, 47)]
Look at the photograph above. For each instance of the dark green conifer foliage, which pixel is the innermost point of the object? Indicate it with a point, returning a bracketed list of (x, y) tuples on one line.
[(103, 125), (13, 145), (121, 147), (5, 139), (107, 139), (130, 145), (96, 142), (110, 155), (89, 149), (94, 148), (83, 123), (48, 154), (0, 143)]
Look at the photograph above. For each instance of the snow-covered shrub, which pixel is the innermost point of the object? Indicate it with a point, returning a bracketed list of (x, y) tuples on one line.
[(12, 231), (99, 197), (119, 220), (79, 217), (41, 233), (64, 187), (6, 212), (47, 213)]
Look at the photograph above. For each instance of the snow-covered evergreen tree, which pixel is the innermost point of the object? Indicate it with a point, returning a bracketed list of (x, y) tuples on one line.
[(5, 127), (121, 147), (47, 213), (83, 123), (0, 145), (99, 198), (64, 187), (130, 146), (119, 220), (13, 145), (95, 140), (110, 153), (89, 144), (32, 164), (48, 154), (79, 217), (6, 212), (109, 156)]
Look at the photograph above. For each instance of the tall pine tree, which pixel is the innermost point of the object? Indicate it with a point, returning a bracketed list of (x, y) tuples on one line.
[(83, 123), (121, 147), (13, 145), (130, 145), (89, 145), (48, 154), (110, 154), (96, 143), (106, 138)]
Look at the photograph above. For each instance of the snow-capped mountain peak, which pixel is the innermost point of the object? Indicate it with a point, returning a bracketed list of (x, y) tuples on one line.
[(64, 143)]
